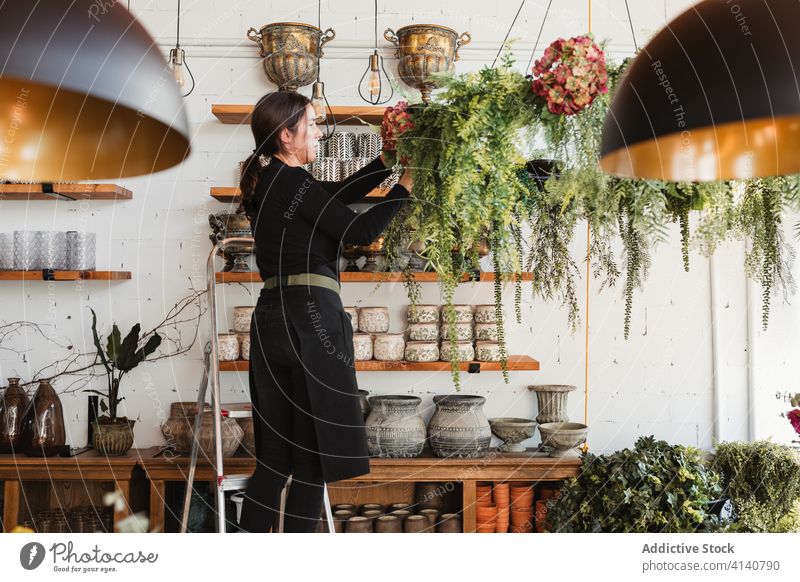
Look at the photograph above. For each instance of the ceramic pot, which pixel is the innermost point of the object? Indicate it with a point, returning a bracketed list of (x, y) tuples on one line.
[(420, 332), (465, 352), (485, 314), (415, 524), (353, 313), (242, 316), (432, 515), (358, 524), (563, 437), (395, 427), (373, 319), (13, 404), (449, 523), (362, 346), (463, 314), (244, 345), (463, 332), (423, 314), (345, 507), (486, 332), (487, 351), (228, 347), (552, 400), (458, 427), (388, 346), (370, 507), (512, 431), (113, 439), (179, 428), (43, 425), (388, 524), (422, 351)]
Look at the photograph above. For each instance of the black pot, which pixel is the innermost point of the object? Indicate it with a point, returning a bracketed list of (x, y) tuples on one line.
[(542, 170)]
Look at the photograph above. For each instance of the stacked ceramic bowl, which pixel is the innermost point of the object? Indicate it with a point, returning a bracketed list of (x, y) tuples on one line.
[(371, 337), (34, 250), (344, 154), (474, 328)]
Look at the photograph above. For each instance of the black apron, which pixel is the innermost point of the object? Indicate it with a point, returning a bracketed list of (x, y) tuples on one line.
[(326, 349)]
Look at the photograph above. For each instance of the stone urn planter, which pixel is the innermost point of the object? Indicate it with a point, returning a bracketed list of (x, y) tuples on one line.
[(552, 399), (395, 427), (113, 439), (459, 428)]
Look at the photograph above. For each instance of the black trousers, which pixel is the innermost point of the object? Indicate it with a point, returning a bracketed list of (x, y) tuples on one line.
[(286, 442)]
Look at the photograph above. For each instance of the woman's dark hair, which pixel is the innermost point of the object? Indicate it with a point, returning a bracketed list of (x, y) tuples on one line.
[(273, 112)]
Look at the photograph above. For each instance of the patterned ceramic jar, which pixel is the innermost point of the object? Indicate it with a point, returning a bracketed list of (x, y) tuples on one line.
[(463, 331), (422, 351), (423, 331), (244, 344), (463, 314), (389, 346), (353, 312), (362, 346), (464, 351), (228, 347), (486, 332), (487, 352), (373, 319), (485, 314), (423, 314), (242, 316)]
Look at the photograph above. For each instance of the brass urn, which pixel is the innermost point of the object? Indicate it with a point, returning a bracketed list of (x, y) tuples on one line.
[(423, 49), (291, 52)]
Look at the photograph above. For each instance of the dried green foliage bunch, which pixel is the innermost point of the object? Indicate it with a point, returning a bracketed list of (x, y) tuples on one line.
[(763, 480), (653, 488)]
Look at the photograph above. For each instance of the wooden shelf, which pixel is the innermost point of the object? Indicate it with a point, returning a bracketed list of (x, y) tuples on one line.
[(364, 277), (64, 275), (515, 364), (232, 195), (64, 191), (344, 114)]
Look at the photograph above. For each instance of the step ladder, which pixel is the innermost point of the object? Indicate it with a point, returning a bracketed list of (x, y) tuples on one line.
[(223, 482)]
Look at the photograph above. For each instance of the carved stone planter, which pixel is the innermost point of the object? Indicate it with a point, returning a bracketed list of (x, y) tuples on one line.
[(552, 399)]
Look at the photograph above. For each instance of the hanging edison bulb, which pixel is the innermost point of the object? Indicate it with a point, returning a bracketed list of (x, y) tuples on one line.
[(375, 92), (176, 64)]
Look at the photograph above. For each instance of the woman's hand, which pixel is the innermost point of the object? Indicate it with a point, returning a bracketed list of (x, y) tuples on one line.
[(407, 180)]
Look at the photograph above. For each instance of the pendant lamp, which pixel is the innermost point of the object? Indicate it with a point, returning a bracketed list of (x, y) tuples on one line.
[(715, 95), (85, 94)]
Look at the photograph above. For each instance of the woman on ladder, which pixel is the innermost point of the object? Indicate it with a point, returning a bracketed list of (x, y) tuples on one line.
[(306, 414)]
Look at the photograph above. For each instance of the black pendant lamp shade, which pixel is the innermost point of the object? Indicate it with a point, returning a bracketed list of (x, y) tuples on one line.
[(85, 94), (715, 95)]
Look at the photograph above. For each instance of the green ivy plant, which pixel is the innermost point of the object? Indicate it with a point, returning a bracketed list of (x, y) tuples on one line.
[(763, 480), (653, 488)]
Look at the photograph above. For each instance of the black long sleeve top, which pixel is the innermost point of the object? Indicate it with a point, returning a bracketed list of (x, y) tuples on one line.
[(299, 223)]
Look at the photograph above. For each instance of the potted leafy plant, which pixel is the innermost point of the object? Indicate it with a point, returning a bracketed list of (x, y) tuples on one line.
[(654, 487), (763, 480), (113, 435)]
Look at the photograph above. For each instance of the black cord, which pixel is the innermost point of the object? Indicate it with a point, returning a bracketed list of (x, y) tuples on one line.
[(185, 62), (502, 44), (541, 28), (630, 22), (319, 25), (178, 32)]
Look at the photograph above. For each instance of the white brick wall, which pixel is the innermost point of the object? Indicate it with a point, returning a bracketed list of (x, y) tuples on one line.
[(659, 381)]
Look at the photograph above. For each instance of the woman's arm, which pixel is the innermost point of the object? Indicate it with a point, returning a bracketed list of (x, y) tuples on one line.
[(330, 215), (355, 187)]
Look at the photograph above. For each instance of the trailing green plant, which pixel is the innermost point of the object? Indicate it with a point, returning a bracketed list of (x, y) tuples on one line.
[(763, 480), (119, 357), (654, 487)]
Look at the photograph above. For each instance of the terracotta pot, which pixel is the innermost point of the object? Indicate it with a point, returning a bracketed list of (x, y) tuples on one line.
[(449, 523), (388, 524), (113, 439), (13, 405), (541, 516), (396, 506), (43, 425), (526, 527), (401, 514), (415, 524), (395, 427), (179, 428), (486, 527), (458, 427), (345, 507)]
